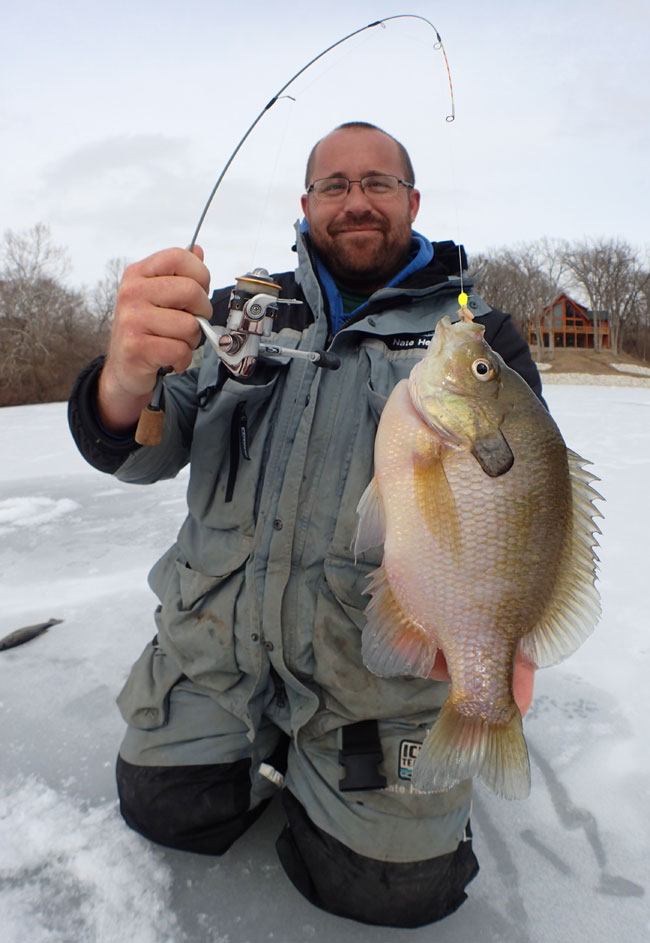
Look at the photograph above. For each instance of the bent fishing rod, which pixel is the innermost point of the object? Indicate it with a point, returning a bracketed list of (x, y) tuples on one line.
[(255, 297)]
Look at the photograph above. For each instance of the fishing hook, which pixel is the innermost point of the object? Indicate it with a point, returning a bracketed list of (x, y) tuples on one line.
[(278, 95)]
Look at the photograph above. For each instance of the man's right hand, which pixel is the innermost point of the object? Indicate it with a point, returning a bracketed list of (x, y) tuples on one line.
[(153, 327)]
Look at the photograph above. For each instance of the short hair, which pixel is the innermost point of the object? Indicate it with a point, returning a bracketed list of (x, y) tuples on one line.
[(409, 174)]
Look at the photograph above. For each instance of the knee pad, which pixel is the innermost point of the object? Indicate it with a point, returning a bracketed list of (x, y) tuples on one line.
[(396, 894), (203, 809)]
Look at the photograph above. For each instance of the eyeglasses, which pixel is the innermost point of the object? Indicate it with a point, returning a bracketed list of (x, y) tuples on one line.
[(375, 187)]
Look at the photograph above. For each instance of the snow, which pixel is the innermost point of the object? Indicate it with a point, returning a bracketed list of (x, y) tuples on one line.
[(569, 863)]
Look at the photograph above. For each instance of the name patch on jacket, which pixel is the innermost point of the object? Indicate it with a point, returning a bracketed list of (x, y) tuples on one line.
[(408, 341)]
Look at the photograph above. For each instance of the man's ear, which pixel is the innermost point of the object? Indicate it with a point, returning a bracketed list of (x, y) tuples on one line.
[(414, 203)]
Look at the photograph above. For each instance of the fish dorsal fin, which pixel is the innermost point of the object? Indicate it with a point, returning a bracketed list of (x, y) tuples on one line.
[(435, 499), (371, 526), (391, 645), (574, 607)]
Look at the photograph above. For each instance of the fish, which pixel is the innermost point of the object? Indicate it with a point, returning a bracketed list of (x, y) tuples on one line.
[(26, 634), (488, 526)]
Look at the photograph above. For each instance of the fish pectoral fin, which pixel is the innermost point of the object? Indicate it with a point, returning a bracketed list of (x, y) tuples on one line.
[(493, 454), (435, 501), (391, 645), (371, 526), (574, 606), (462, 745)]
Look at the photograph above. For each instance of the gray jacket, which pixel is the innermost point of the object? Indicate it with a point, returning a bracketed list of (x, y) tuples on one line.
[(261, 588), (262, 573)]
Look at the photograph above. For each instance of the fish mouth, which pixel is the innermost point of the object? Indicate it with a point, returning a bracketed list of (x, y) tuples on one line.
[(453, 334), (436, 387), (432, 407)]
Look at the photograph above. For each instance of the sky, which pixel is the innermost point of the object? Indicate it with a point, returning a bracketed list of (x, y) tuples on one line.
[(570, 863), (116, 120)]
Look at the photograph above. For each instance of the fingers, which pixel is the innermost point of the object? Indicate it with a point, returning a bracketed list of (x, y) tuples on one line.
[(439, 671), (523, 683), (154, 324), (168, 292), (180, 262)]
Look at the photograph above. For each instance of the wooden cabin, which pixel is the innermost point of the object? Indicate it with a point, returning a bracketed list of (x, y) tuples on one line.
[(572, 325)]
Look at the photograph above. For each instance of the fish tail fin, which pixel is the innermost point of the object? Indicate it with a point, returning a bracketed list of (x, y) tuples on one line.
[(460, 746)]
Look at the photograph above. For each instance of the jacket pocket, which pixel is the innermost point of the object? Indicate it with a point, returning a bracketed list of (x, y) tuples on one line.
[(197, 617), (348, 689), (376, 403), (349, 581), (144, 699), (229, 447)]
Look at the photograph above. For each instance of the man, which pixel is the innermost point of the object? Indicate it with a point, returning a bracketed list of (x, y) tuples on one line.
[(257, 649)]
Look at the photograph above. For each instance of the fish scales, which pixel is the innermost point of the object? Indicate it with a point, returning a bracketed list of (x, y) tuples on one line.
[(487, 521)]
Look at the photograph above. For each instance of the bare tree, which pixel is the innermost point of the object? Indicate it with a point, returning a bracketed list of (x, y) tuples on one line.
[(610, 274), (524, 281), (103, 296), (46, 330), (636, 330), (26, 256)]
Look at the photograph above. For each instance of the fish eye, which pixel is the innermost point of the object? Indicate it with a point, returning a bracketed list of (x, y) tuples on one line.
[(482, 370)]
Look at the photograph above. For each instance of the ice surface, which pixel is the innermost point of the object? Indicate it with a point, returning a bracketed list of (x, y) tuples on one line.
[(569, 864)]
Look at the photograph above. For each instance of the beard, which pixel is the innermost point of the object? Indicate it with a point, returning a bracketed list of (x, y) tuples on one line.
[(363, 253)]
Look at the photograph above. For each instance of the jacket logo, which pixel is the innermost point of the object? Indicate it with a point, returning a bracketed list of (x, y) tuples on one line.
[(408, 752)]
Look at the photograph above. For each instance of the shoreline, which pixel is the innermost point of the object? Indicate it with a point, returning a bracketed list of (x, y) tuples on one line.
[(593, 379)]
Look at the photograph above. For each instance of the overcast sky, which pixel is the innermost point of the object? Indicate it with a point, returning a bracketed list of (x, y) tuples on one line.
[(116, 119)]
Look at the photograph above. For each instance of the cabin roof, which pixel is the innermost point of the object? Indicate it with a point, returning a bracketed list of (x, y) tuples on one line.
[(571, 304)]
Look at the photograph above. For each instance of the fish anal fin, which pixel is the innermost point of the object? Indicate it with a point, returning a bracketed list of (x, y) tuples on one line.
[(462, 745), (391, 645), (371, 526), (435, 499), (574, 606)]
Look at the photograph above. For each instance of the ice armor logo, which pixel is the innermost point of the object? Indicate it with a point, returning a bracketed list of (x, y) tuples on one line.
[(408, 753)]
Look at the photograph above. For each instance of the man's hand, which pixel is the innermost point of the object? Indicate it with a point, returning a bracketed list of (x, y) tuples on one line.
[(523, 679), (153, 327), (523, 683)]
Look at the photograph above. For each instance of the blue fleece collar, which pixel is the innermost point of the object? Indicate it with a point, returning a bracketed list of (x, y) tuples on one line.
[(420, 254)]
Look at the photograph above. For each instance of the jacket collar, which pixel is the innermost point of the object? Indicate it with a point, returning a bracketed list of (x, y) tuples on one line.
[(429, 264)]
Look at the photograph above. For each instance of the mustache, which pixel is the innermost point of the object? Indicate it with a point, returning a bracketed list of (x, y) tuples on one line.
[(350, 225)]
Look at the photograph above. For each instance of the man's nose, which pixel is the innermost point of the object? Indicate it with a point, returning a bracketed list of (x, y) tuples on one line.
[(356, 199)]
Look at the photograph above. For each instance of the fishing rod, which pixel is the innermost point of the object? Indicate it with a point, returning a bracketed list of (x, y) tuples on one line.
[(279, 94), (255, 297)]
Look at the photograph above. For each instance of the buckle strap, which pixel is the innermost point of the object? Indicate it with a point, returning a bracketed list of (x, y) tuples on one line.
[(360, 756)]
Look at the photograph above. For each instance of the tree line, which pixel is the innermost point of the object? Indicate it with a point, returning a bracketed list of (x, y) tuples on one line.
[(608, 276), (49, 331)]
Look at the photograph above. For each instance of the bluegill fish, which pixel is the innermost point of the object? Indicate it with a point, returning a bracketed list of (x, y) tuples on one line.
[(487, 522)]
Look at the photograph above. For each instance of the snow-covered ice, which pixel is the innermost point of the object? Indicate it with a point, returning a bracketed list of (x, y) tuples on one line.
[(571, 863)]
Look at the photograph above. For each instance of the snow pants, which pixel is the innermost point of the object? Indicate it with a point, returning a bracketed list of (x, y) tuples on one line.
[(196, 782)]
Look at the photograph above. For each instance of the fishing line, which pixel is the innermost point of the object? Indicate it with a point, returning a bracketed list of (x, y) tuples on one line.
[(338, 60), (438, 45), (278, 148)]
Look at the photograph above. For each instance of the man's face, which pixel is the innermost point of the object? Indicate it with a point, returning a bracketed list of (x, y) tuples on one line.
[(363, 243)]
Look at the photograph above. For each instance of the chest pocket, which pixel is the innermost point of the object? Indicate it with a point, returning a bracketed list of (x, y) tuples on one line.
[(381, 373), (230, 443)]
